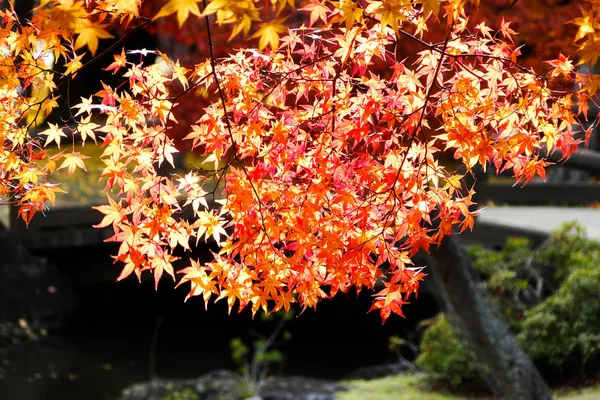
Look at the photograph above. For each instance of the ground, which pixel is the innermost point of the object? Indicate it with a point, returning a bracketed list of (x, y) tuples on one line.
[(410, 387)]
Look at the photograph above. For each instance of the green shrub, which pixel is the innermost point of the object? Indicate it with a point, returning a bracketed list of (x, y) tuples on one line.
[(569, 249), (568, 322), (550, 296), (444, 357), (511, 276)]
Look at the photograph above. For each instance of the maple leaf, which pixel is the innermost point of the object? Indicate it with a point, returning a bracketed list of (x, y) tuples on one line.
[(210, 224), (73, 161), (89, 34), (86, 128), (268, 34), (162, 264), (329, 164), (506, 30), (562, 66), (115, 213), (201, 283), (26, 212), (179, 74), (166, 153), (431, 6), (586, 25), (53, 134), (351, 13), (128, 8), (120, 62), (133, 263), (85, 106), (183, 8), (215, 6), (318, 11), (388, 300), (284, 300), (74, 65)]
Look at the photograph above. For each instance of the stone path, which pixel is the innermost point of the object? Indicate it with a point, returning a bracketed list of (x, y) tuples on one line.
[(542, 219)]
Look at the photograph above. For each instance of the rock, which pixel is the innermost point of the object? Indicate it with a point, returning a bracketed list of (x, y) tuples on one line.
[(216, 385), (380, 371), (299, 388), (33, 295), (226, 385)]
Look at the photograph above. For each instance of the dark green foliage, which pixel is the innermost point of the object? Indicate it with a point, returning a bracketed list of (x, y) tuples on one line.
[(443, 356), (568, 322), (569, 249), (239, 352), (550, 296), (513, 276)]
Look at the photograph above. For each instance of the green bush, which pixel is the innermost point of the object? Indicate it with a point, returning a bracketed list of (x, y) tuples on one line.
[(569, 249), (549, 295), (568, 322), (511, 276), (444, 357)]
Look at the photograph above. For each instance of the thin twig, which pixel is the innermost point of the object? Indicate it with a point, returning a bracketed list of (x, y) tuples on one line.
[(153, 349)]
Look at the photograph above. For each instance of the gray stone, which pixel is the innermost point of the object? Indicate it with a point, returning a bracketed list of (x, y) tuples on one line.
[(380, 371), (299, 388), (226, 385)]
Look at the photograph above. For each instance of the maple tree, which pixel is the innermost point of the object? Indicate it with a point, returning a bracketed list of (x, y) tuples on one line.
[(322, 145)]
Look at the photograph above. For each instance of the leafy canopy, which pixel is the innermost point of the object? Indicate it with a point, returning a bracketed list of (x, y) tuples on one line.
[(323, 146)]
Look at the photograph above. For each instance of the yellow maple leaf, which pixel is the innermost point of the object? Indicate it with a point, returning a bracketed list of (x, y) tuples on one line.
[(127, 7), (431, 6), (53, 134), (268, 34), (214, 6), (89, 34), (182, 7), (73, 161), (74, 65), (240, 14), (351, 13)]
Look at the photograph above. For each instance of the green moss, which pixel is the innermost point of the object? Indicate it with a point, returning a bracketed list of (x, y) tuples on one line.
[(590, 393), (398, 387), (410, 387)]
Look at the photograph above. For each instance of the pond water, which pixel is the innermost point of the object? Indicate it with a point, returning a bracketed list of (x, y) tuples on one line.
[(122, 333)]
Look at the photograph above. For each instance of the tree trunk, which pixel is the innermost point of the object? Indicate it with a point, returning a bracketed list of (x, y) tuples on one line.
[(512, 375)]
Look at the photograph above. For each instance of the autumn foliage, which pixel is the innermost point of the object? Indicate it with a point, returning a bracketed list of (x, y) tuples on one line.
[(322, 144)]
